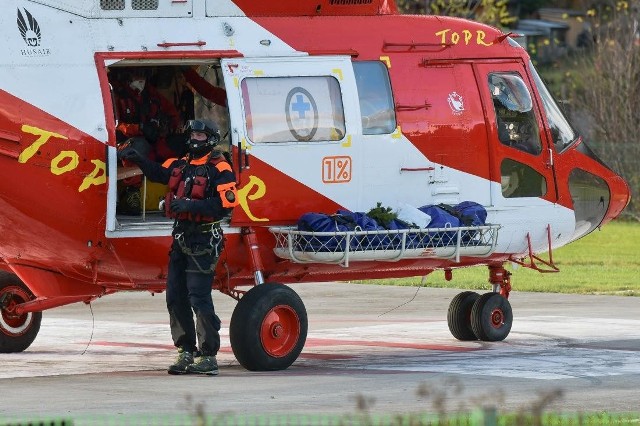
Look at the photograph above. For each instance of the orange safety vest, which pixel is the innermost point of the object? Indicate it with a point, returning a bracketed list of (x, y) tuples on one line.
[(197, 191)]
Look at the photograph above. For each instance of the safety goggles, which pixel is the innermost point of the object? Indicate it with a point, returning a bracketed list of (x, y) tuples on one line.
[(195, 125)]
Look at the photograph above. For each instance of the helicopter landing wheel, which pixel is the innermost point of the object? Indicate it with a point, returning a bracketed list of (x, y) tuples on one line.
[(459, 315), (491, 317), (268, 328), (17, 331)]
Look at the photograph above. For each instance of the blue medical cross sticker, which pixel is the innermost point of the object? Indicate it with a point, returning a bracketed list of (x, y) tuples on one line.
[(300, 106), (302, 114)]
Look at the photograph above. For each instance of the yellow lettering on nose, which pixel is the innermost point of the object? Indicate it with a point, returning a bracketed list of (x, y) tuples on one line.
[(443, 36), (43, 138), (98, 175), (72, 163), (480, 38), (244, 195), (467, 36)]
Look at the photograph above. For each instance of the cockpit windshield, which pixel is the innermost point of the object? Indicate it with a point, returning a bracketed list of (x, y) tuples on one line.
[(563, 134)]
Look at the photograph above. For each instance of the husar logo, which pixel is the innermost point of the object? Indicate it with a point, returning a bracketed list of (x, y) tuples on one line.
[(31, 34)]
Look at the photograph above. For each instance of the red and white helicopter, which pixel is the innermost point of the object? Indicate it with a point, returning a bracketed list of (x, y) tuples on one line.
[(331, 104)]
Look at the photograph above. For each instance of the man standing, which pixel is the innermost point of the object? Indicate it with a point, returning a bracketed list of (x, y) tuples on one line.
[(201, 193)]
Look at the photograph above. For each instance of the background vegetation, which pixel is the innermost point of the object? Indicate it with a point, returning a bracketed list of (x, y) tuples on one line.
[(604, 262)]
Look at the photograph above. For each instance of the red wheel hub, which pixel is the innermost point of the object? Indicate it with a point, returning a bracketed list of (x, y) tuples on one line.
[(11, 323), (497, 318), (280, 331)]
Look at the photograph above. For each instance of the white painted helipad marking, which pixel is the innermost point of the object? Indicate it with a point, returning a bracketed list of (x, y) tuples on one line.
[(66, 346)]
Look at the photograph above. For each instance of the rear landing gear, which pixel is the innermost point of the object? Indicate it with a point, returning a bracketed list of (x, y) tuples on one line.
[(17, 331), (488, 317), (268, 328)]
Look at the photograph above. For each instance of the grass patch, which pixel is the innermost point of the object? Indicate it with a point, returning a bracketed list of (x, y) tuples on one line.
[(604, 262)]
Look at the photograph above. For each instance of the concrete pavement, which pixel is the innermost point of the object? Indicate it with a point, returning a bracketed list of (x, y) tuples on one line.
[(379, 349)]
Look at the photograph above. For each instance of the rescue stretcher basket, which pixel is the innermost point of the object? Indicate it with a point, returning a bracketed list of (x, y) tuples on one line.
[(342, 247)]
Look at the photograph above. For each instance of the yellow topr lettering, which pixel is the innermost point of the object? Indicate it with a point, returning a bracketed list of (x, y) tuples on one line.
[(453, 37), (43, 138), (245, 195), (443, 36), (65, 161), (480, 38), (97, 177), (72, 163), (468, 35)]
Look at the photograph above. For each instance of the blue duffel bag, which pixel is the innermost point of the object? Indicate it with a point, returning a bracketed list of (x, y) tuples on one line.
[(322, 222), (440, 218), (364, 223), (470, 213)]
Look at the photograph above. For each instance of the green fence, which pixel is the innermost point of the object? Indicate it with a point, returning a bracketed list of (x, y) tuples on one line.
[(488, 417)]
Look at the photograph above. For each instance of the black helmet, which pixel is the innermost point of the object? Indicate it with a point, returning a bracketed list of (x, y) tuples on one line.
[(197, 147), (205, 126)]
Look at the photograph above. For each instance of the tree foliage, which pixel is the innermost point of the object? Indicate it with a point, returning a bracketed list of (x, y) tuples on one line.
[(605, 87), (492, 12)]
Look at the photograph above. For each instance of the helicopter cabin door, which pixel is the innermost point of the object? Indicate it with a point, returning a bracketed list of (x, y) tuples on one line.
[(522, 157), (291, 124)]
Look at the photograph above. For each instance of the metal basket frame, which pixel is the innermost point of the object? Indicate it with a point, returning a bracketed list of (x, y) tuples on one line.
[(341, 247)]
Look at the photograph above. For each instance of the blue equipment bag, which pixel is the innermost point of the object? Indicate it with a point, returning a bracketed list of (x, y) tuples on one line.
[(464, 214), (470, 213), (363, 223), (440, 218), (322, 222)]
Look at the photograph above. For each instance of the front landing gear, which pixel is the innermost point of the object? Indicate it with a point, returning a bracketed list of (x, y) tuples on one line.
[(459, 315), (17, 331), (268, 328), (487, 317), (491, 317)]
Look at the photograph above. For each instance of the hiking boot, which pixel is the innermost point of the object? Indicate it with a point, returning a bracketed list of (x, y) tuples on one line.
[(206, 364), (184, 360)]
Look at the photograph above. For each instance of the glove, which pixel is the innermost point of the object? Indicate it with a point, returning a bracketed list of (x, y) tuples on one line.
[(130, 154), (180, 205)]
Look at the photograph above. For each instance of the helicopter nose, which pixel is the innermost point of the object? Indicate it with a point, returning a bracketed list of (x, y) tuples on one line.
[(620, 197), (596, 200)]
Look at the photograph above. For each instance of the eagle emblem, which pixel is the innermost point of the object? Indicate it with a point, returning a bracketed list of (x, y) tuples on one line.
[(456, 103), (29, 28)]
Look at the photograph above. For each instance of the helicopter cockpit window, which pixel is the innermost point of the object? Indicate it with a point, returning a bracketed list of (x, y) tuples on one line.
[(561, 131), (293, 109), (519, 180), (515, 119), (376, 100)]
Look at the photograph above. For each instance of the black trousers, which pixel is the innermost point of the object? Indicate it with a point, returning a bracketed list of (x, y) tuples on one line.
[(192, 262)]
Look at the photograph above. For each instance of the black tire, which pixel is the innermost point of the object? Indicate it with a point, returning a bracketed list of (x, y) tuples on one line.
[(491, 317), (17, 332), (459, 315), (268, 328)]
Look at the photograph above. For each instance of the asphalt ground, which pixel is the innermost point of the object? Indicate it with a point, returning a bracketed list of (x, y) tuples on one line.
[(370, 348)]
